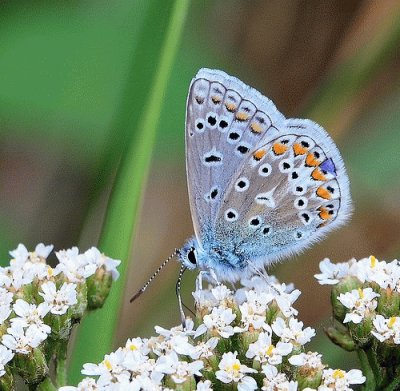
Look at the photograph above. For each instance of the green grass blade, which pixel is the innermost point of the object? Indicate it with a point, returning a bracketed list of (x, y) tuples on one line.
[(96, 333)]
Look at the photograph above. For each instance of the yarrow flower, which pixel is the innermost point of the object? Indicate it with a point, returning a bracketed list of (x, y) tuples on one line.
[(387, 329), (339, 380), (263, 350), (232, 371), (35, 300), (366, 308), (360, 302), (58, 301)]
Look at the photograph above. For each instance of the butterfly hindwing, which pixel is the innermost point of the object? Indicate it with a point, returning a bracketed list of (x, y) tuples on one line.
[(289, 192), (222, 126)]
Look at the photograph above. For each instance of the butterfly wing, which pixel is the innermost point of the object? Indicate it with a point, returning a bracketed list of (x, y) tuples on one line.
[(290, 191), (222, 127)]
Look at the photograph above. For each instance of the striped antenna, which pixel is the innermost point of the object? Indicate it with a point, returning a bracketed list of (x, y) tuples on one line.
[(141, 290)]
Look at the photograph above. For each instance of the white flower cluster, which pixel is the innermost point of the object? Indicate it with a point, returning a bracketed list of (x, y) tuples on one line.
[(32, 294), (246, 340), (375, 282)]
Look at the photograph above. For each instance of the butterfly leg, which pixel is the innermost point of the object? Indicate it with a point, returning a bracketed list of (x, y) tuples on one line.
[(208, 275), (178, 295)]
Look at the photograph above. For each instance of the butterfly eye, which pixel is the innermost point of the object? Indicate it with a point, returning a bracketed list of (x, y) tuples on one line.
[(191, 256)]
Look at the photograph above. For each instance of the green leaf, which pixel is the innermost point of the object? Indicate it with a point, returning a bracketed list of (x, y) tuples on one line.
[(162, 30)]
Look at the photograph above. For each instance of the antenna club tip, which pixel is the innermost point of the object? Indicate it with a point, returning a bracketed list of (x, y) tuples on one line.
[(133, 298)]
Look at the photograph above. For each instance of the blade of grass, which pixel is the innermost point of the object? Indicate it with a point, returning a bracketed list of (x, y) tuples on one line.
[(95, 335)]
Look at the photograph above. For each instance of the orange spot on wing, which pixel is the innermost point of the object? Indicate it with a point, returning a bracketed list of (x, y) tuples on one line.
[(323, 193), (318, 175), (242, 116), (279, 148), (324, 214), (258, 155), (216, 99), (230, 107), (256, 127), (312, 161), (299, 149)]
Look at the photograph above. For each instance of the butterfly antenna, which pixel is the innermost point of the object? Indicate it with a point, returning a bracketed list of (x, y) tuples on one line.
[(140, 291), (178, 295)]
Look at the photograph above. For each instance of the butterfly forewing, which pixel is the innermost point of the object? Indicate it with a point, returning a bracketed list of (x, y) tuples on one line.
[(288, 192), (223, 125)]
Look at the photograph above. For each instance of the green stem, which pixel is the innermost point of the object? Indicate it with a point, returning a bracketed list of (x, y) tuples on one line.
[(97, 329), (61, 363), (46, 385), (370, 383), (394, 385), (371, 356)]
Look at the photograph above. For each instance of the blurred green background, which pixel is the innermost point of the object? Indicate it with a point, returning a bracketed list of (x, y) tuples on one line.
[(85, 83)]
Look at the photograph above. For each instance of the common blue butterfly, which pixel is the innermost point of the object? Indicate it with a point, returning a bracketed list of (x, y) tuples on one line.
[(261, 186)]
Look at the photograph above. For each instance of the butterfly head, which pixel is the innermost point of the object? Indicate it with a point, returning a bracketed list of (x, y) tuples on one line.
[(189, 254)]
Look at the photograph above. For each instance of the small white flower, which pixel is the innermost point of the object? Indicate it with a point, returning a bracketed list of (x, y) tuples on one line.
[(95, 257), (59, 300), (20, 255), (231, 370), (143, 382), (30, 315), (75, 266), (360, 302), (222, 294), (204, 349), (387, 328), (177, 343), (370, 269), (6, 355), (6, 297), (285, 299), (275, 381), (332, 273), (5, 311), (137, 344), (340, 380), (22, 341), (111, 369), (87, 384), (204, 386), (251, 318), (293, 332), (180, 371), (14, 279), (259, 300), (219, 321), (310, 359), (264, 351), (177, 330)]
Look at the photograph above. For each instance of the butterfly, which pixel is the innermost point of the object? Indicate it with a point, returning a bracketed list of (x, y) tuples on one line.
[(261, 186)]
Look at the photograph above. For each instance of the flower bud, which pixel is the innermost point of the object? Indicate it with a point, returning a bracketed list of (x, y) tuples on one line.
[(98, 288), (340, 336), (308, 377), (78, 310), (61, 325), (361, 332), (32, 367)]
